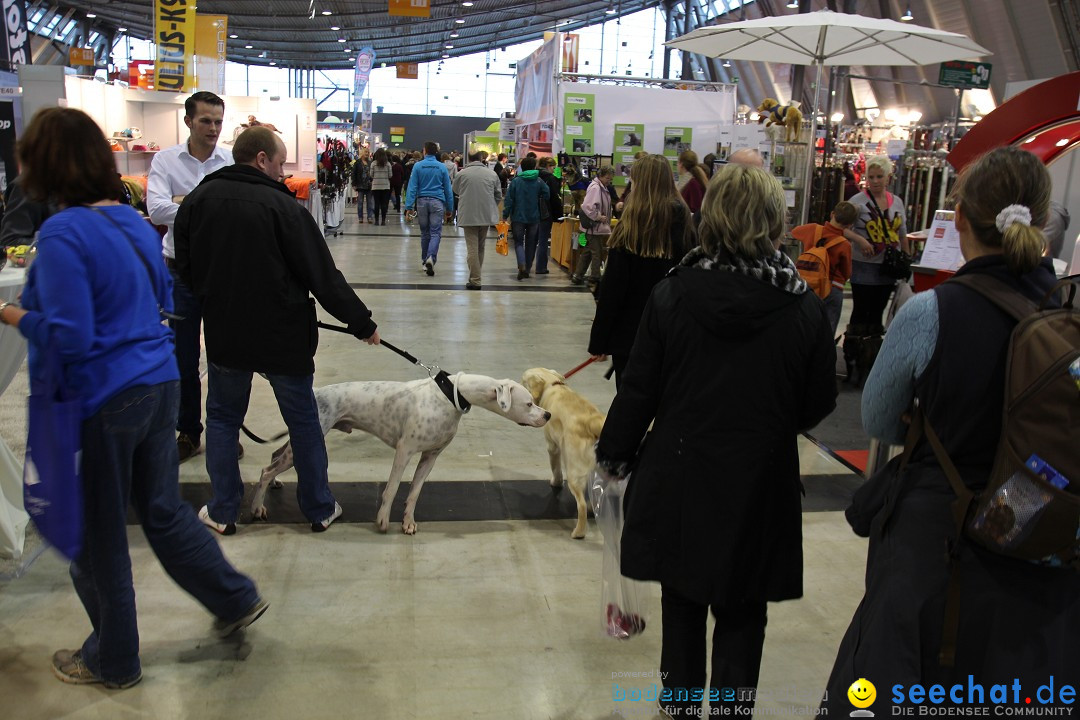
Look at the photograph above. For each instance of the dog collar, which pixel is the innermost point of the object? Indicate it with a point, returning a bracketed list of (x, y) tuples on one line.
[(449, 389)]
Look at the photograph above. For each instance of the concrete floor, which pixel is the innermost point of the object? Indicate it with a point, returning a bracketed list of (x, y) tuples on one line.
[(488, 619)]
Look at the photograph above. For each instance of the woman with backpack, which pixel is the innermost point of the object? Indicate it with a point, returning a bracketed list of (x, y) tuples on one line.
[(881, 224), (655, 232), (947, 349)]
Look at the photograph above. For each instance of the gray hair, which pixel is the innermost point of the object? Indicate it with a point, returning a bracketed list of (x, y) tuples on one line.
[(742, 213)]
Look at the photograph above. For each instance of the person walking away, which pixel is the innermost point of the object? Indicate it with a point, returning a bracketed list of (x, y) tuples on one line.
[(655, 232), (881, 223), (397, 181), (381, 174), (480, 192), (597, 206), (429, 194), (175, 172), (693, 189), (94, 296), (733, 358), (238, 229), (842, 218), (524, 198), (550, 213), (361, 180)]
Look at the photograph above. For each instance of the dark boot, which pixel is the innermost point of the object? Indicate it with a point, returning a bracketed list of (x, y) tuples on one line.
[(868, 352), (522, 274), (853, 337)]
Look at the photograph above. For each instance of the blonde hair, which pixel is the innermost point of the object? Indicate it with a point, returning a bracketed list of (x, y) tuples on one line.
[(742, 213), (882, 162), (688, 159), (1002, 177), (652, 210)]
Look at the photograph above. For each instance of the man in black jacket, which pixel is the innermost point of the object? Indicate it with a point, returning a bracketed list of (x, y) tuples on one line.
[(252, 255), (549, 213)]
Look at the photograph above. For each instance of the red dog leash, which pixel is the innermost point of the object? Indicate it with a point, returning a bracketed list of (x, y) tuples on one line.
[(579, 367)]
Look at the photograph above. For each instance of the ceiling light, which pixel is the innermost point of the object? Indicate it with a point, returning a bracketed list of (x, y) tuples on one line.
[(327, 12), (273, 63), (1062, 142), (727, 63), (341, 39), (454, 34), (793, 4), (1033, 138), (234, 36), (460, 21), (446, 55), (907, 16), (466, 4), (249, 46), (838, 117), (449, 47), (610, 10), (121, 29), (335, 27), (346, 50), (91, 15)]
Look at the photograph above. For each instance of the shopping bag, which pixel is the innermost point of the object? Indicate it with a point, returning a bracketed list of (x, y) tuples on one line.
[(502, 245), (52, 479), (622, 600)]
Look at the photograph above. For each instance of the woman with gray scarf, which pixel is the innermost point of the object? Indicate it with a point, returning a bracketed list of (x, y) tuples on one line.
[(733, 357)]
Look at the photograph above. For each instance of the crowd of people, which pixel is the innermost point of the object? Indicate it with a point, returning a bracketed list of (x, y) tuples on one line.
[(721, 352)]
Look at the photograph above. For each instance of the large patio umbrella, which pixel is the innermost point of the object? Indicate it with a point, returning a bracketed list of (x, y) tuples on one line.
[(828, 38)]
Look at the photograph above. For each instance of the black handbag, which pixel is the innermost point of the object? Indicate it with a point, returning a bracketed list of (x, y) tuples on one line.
[(896, 263)]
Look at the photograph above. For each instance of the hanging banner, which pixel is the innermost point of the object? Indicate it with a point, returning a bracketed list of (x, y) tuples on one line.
[(409, 8), (578, 123), (211, 33), (571, 45), (629, 140), (365, 60), (81, 57), (676, 140), (408, 71), (365, 122), (174, 35), (7, 144), (15, 47)]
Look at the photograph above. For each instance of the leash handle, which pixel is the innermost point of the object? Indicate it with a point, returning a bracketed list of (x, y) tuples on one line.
[(588, 362)]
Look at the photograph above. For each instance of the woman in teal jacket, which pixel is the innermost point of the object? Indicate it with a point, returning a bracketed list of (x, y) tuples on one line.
[(522, 208)]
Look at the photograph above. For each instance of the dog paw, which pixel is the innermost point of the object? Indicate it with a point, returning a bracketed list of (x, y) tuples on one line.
[(408, 527), (260, 513), (276, 484), (556, 484), (578, 534), (383, 523)]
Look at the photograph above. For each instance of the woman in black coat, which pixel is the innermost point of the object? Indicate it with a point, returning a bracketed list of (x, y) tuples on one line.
[(734, 356), (655, 232)]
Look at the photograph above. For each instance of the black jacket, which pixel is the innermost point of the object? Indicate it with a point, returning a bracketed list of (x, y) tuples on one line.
[(731, 369), (252, 254), (554, 203)]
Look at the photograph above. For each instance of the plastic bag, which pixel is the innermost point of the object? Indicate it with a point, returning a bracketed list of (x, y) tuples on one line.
[(622, 600), (502, 245)]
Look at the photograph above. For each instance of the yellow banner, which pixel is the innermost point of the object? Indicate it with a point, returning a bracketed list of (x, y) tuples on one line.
[(174, 35), (211, 36), (409, 8)]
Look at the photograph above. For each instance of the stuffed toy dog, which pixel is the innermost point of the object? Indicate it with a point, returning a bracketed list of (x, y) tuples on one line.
[(776, 114)]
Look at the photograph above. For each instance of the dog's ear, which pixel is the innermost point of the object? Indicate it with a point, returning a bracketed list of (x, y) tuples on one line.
[(502, 394)]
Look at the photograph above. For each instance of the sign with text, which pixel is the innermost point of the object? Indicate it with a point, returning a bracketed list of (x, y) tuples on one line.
[(964, 74), (397, 129), (365, 60), (628, 141), (174, 36), (15, 48), (211, 33), (676, 140), (80, 57), (578, 132), (408, 71), (410, 8)]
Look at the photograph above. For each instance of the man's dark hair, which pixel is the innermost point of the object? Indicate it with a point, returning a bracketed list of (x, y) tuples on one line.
[(79, 170), (528, 163), (207, 98), (502, 156), (476, 156), (532, 155), (431, 148), (253, 141)]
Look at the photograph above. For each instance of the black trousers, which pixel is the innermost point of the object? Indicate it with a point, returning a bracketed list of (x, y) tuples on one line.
[(737, 640), (618, 364), (868, 303)]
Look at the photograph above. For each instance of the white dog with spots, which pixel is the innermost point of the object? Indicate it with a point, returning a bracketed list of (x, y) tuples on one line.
[(412, 417)]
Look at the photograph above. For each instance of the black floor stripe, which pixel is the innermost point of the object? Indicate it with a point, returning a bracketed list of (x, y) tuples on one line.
[(459, 286), (832, 453), (480, 500)]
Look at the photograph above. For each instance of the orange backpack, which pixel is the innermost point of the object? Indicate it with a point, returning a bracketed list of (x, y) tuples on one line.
[(814, 266)]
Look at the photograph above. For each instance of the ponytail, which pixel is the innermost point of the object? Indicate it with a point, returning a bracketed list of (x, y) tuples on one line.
[(1022, 245)]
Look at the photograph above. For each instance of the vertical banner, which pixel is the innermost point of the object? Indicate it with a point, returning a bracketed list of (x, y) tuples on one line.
[(7, 144), (365, 121), (211, 36), (578, 124), (174, 35), (365, 60), (629, 140), (571, 45), (15, 46), (676, 140)]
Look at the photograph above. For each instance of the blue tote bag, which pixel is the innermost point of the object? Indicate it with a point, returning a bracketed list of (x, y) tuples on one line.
[(52, 479)]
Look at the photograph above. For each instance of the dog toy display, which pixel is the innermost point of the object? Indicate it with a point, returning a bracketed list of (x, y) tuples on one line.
[(771, 112)]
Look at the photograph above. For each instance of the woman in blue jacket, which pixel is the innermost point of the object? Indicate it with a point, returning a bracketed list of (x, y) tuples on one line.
[(94, 296), (522, 207)]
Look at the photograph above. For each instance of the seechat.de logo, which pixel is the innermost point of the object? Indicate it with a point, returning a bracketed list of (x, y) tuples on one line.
[(862, 695)]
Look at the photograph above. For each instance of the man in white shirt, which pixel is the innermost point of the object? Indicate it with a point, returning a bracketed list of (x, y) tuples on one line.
[(174, 172)]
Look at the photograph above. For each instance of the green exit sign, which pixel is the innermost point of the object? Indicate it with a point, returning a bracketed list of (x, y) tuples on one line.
[(965, 75)]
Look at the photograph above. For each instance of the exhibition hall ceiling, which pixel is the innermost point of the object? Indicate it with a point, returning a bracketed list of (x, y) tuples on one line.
[(327, 33)]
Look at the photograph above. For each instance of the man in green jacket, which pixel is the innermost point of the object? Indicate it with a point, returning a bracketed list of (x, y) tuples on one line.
[(522, 208)]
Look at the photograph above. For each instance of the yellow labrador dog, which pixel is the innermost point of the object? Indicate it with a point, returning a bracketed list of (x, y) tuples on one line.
[(571, 433)]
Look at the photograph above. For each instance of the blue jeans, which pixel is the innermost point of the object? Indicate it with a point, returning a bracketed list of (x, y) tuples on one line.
[(525, 235), (429, 213), (362, 197), (226, 405), (129, 453), (542, 243), (188, 347), (834, 306)]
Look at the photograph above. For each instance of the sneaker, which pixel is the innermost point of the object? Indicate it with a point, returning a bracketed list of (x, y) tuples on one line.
[(187, 446), (429, 267), (69, 667), (576, 280), (543, 272), (470, 286), (219, 528), (323, 524), (225, 629)]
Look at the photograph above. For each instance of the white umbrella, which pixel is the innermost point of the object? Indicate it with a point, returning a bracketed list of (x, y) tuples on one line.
[(828, 38)]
